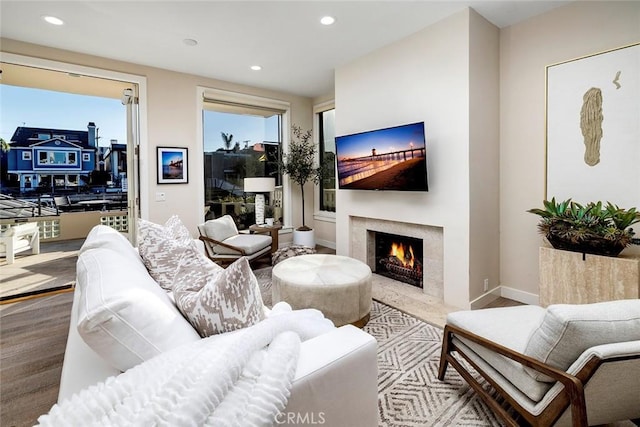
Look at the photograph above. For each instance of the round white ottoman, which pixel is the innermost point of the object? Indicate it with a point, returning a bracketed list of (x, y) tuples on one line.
[(338, 286)]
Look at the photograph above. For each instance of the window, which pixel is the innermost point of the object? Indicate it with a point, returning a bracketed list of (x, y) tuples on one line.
[(327, 154), (57, 158), (239, 142), (26, 155), (86, 157)]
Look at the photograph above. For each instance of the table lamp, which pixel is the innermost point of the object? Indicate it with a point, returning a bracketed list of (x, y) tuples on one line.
[(259, 186)]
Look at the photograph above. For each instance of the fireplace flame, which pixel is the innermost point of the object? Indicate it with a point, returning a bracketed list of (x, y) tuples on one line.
[(403, 254)]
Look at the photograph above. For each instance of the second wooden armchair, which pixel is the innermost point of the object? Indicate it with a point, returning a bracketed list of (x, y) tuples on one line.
[(224, 244)]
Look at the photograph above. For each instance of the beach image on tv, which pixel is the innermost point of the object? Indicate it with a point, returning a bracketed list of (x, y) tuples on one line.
[(384, 159)]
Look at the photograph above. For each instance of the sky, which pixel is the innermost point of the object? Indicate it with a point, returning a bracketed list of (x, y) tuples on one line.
[(21, 106), (242, 127)]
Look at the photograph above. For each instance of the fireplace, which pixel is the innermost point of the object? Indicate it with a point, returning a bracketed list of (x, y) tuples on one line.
[(399, 258), (363, 247)]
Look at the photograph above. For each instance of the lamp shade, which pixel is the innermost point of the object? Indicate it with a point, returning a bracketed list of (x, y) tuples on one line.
[(259, 185)]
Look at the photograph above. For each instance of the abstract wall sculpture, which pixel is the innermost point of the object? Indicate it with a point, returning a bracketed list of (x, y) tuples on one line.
[(593, 128)]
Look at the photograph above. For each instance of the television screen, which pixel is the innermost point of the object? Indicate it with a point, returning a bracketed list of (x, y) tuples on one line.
[(383, 159)]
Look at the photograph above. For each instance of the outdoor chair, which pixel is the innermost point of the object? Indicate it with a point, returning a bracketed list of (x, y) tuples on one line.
[(224, 244), (19, 238), (567, 365)]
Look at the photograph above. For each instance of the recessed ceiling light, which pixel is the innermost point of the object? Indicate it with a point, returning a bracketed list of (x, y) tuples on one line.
[(256, 67), (327, 20), (190, 42), (53, 20)]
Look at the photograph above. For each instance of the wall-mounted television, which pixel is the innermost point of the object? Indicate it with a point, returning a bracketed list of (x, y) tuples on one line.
[(393, 158)]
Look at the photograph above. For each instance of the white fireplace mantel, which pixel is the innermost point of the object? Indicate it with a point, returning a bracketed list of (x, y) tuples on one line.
[(362, 230)]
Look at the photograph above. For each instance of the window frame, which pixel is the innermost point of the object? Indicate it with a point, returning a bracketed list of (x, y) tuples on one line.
[(207, 94), (318, 214), (26, 155)]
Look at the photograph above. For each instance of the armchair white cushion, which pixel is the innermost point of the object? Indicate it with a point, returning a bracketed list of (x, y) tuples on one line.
[(565, 365), (224, 244), (19, 238)]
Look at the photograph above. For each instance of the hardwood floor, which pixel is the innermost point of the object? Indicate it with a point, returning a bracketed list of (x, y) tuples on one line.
[(33, 339)]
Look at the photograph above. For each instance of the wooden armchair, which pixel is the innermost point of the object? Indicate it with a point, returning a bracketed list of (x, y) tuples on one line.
[(568, 365), (224, 244)]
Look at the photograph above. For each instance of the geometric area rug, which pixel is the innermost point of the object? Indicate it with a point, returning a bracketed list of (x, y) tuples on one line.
[(409, 392)]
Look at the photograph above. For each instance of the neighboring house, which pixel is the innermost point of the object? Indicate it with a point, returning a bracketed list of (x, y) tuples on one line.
[(50, 158), (115, 161)]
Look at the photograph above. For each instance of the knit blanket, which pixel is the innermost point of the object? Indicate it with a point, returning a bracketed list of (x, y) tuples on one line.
[(242, 378)]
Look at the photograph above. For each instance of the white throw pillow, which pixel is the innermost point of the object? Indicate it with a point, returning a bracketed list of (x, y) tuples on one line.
[(161, 248), (217, 300), (123, 315)]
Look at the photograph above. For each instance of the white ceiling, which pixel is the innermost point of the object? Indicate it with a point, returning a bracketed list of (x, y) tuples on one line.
[(297, 53)]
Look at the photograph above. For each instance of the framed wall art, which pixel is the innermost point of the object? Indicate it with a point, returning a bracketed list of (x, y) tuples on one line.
[(593, 128), (173, 164)]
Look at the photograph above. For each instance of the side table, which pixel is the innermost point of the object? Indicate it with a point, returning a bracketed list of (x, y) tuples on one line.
[(272, 229)]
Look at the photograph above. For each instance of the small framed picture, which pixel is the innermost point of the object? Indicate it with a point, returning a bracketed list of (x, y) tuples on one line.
[(173, 165)]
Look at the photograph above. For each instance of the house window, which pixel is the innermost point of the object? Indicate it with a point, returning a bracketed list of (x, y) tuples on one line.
[(86, 157), (327, 155), (57, 158), (26, 155), (240, 141)]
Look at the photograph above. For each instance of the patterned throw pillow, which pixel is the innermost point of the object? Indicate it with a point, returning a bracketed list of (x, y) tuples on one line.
[(161, 248), (217, 300)]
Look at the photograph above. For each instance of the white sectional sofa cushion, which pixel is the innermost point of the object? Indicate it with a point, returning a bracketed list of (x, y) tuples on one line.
[(123, 314)]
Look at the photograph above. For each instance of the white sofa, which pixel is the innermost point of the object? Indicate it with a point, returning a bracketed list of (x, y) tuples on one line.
[(336, 376)]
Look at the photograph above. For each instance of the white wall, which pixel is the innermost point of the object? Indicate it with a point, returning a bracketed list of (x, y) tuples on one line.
[(424, 77), (575, 30)]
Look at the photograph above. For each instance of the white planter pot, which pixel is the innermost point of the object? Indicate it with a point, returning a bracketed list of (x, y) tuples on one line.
[(304, 238)]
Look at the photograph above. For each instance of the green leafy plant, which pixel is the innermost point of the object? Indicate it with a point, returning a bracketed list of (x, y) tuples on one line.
[(299, 163), (592, 228)]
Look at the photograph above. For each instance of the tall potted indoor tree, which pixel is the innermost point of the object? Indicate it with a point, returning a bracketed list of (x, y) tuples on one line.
[(299, 164)]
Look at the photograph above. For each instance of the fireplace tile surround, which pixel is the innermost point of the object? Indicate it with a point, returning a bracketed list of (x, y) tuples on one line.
[(362, 247)]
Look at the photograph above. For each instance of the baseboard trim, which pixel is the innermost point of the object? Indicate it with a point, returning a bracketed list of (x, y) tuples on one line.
[(326, 243), (520, 296), (485, 299), (505, 292)]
